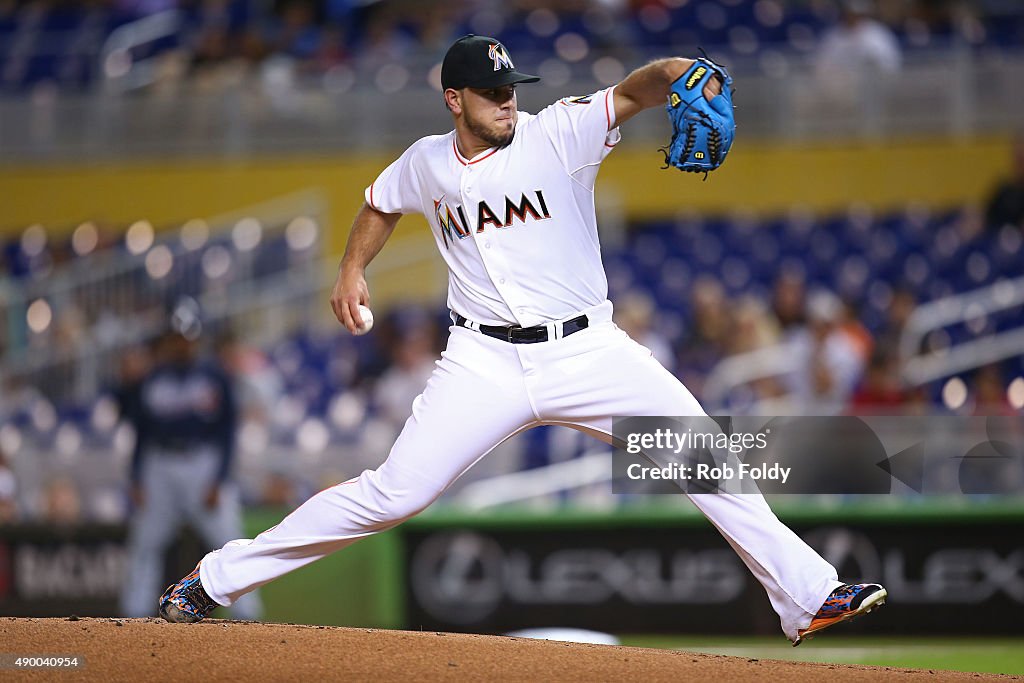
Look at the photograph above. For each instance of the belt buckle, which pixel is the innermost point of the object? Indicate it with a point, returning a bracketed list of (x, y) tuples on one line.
[(508, 334)]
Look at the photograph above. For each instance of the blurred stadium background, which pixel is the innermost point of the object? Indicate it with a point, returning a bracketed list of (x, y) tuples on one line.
[(860, 254)]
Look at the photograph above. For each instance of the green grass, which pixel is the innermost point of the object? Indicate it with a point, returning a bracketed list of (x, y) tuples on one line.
[(982, 655)]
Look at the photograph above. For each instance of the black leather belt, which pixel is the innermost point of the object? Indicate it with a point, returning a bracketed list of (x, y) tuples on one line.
[(514, 334)]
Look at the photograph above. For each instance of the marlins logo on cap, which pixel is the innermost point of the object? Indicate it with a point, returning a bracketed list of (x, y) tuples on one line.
[(480, 62), (496, 51)]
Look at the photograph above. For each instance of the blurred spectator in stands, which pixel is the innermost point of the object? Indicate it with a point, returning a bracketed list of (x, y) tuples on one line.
[(634, 313), (988, 387), (902, 305), (61, 253), (969, 224), (210, 51), (223, 46), (332, 50), (62, 505), (222, 59), (753, 327), (295, 32), (853, 328), (829, 364), (413, 353), (705, 341), (859, 46), (1006, 205), (258, 384), (942, 18), (69, 328), (252, 48), (917, 402), (8, 492), (881, 391), (16, 395), (855, 59), (789, 302), (382, 42), (436, 26)]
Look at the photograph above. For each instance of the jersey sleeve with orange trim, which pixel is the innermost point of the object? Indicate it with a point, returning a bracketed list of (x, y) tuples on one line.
[(396, 189), (581, 128)]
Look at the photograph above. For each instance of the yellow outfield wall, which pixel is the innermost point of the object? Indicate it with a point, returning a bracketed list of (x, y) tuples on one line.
[(764, 178)]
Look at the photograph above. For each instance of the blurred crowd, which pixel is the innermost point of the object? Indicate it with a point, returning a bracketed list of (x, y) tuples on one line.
[(109, 284), (833, 363), (286, 448), (827, 298), (317, 405), (221, 40)]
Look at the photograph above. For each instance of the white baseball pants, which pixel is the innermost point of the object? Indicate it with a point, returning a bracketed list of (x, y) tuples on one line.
[(483, 391)]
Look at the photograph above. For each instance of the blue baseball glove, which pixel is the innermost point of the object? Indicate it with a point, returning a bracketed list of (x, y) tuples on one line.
[(702, 130)]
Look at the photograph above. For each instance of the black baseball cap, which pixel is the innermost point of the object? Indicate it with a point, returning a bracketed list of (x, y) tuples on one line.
[(480, 62)]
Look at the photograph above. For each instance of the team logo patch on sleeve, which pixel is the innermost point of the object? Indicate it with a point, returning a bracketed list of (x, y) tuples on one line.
[(579, 99)]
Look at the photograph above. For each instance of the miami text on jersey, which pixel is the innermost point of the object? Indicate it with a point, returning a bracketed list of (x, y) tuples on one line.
[(454, 224)]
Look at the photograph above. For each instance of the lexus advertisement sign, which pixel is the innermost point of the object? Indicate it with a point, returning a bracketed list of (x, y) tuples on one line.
[(942, 576)]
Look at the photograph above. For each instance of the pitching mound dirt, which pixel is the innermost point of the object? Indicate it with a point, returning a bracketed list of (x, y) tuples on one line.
[(150, 649)]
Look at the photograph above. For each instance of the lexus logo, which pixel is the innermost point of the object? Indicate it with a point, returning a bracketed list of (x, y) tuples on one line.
[(463, 577), (458, 577)]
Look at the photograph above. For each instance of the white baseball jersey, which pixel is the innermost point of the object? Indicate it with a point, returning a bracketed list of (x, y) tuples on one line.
[(516, 225)]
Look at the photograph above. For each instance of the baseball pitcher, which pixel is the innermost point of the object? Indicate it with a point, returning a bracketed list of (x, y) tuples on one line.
[(509, 197)]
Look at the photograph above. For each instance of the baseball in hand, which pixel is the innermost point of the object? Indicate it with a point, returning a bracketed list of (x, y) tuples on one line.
[(367, 315)]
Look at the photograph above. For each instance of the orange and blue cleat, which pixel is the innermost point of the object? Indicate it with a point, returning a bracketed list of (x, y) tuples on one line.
[(846, 602), (186, 602)]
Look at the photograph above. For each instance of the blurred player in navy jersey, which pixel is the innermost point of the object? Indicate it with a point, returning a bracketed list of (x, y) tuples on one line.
[(185, 422)]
